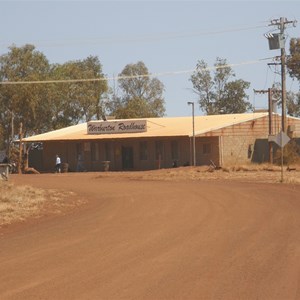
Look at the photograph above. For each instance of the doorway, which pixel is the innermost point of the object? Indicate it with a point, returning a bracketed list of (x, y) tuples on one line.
[(127, 158)]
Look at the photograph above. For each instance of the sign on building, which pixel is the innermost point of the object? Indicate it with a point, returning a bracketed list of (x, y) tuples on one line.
[(110, 127)]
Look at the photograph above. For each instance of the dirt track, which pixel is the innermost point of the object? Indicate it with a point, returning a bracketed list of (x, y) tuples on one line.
[(150, 239)]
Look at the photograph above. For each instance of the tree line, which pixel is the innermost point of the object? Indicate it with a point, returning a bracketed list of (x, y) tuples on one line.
[(63, 101)]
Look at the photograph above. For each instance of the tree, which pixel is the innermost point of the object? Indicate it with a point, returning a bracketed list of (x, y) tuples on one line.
[(24, 102), (293, 104), (76, 101), (293, 62), (46, 106), (217, 94), (293, 65), (141, 96)]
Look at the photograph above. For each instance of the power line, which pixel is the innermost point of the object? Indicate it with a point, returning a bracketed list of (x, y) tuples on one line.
[(143, 38), (171, 73)]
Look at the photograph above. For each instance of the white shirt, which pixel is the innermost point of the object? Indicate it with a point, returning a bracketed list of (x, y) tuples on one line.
[(57, 160)]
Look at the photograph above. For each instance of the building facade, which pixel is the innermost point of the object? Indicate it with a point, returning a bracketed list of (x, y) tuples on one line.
[(155, 143)]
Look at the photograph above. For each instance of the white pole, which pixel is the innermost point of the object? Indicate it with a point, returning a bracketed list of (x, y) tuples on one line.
[(194, 141)]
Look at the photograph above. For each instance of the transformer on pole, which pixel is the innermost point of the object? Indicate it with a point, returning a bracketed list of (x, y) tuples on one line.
[(277, 41)]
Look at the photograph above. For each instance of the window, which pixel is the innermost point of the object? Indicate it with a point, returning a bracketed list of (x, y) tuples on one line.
[(159, 150), (174, 150), (94, 151), (143, 150), (87, 146), (107, 151), (206, 148), (79, 149)]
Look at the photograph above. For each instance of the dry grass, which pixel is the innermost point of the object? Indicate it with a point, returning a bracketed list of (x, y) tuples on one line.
[(252, 172), (17, 203)]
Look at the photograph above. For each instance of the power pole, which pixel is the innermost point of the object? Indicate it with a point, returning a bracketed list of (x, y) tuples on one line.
[(281, 24), (11, 139), (20, 148), (270, 110), (194, 144)]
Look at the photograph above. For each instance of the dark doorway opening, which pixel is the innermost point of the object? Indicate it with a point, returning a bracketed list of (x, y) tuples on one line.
[(127, 158)]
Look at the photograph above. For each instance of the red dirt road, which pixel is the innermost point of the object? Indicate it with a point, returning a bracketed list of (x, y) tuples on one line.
[(143, 239)]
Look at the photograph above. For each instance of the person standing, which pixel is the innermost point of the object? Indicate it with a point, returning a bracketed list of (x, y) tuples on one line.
[(80, 166), (57, 164)]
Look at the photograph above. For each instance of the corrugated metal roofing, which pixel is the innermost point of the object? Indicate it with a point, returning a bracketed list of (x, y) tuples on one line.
[(156, 127)]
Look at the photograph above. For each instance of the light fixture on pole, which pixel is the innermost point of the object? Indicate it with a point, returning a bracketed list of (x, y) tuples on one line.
[(194, 145)]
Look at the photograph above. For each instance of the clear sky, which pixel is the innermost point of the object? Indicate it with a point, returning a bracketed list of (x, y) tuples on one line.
[(168, 36)]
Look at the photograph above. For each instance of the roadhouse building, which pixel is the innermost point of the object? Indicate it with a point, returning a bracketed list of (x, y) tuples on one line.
[(152, 143)]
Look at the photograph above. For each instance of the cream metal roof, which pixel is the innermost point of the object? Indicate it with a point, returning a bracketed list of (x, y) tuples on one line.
[(156, 127)]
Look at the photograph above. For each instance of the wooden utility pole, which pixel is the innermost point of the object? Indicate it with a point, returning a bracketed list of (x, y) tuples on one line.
[(20, 148), (270, 110), (283, 78), (11, 138), (270, 103), (281, 23)]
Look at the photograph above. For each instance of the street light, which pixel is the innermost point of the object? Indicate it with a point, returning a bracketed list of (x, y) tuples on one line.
[(194, 145)]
